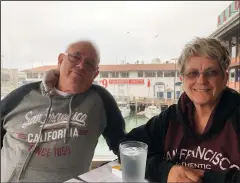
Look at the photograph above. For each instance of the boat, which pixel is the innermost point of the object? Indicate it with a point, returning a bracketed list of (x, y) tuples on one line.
[(124, 108), (151, 111)]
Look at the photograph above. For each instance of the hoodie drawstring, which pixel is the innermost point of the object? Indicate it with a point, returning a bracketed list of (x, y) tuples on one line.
[(36, 144), (68, 122)]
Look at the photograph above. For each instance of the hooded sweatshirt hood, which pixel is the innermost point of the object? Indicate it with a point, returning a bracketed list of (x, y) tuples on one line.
[(220, 138), (227, 104)]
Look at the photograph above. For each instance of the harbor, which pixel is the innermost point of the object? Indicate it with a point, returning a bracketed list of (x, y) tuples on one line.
[(102, 149)]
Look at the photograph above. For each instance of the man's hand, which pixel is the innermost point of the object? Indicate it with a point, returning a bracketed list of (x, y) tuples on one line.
[(184, 174)]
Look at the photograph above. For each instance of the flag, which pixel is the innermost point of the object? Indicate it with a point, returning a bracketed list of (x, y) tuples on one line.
[(148, 84)]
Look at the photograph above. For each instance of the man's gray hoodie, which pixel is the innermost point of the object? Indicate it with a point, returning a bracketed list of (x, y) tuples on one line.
[(49, 138)]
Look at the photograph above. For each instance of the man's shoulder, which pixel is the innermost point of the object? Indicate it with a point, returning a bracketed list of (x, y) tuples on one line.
[(101, 91), (28, 87), (15, 97), (21, 91), (107, 98)]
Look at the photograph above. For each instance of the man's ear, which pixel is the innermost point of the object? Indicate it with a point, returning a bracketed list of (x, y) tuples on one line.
[(60, 59), (96, 74)]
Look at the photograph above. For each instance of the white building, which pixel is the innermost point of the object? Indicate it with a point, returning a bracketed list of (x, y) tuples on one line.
[(9, 80), (131, 80), (141, 80)]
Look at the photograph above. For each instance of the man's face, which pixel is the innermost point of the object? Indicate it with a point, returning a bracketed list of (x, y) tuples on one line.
[(203, 80), (79, 65)]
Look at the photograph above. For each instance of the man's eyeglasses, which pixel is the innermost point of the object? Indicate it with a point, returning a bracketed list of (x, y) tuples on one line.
[(76, 59), (208, 74)]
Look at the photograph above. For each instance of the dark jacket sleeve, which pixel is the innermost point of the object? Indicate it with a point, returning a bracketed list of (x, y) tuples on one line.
[(153, 133), (114, 132), (11, 101), (231, 175)]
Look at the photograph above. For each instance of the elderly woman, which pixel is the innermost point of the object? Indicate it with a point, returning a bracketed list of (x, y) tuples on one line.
[(197, 139)]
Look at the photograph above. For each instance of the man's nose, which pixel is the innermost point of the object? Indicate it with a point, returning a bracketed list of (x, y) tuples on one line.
[(80, 64)]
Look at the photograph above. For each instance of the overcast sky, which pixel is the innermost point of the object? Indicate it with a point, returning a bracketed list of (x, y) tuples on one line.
[(34, 33)]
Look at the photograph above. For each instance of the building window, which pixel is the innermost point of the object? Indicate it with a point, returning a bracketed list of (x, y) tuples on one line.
[(169, 74), (177, 94), (178, 83), (41, 75), (169, 95), (150, 74), (178, 73), (140, 74), (233, 75), (103, 74), (159, 73), (124, 74), (121, 90), (238, 74), (5, 78), (35, 75), (32, 75), (160, 95), (114, 74), (29, 75)]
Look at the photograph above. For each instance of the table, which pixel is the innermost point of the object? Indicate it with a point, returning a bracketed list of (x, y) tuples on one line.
[(100, 174)]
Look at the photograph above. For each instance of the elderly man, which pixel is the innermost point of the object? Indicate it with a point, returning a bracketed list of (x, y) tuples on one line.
[(50, 129), (197, 140)]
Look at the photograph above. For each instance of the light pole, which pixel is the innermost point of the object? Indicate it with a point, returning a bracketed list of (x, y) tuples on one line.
[(125, 58), (1, 61)]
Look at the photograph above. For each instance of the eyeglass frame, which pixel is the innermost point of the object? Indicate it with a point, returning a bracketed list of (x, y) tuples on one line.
[(205, 74), (79, 60)]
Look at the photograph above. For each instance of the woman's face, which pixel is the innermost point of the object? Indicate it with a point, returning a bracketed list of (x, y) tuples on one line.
[(203, 80)]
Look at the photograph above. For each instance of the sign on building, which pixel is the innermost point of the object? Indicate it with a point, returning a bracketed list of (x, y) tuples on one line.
[(229, 12)]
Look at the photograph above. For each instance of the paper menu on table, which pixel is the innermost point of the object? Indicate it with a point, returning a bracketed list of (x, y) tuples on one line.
[(116, 170), (96, 175), (100, 174), (112, 178), (73, 180)]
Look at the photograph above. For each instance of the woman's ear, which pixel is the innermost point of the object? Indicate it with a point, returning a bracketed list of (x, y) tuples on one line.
[(226, 77)]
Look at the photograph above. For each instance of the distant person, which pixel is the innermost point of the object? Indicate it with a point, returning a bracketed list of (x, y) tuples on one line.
[(197, 139), (50, 129)]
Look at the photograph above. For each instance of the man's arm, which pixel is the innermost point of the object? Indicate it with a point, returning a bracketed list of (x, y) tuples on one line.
[(115, 129), (11, 101), (153, 133)]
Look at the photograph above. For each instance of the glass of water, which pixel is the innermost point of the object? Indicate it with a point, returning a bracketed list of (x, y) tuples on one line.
[(133, 156)]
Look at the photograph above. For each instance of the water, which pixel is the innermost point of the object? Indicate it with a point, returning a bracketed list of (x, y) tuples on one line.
[(133, 161), (102, 149)]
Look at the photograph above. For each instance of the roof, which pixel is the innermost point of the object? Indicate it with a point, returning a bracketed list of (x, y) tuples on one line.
[(41, 69), (232, 24), (122, 67)]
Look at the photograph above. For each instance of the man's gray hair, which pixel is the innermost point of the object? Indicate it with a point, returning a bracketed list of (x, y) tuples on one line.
[(209, 47), (91, 45)]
